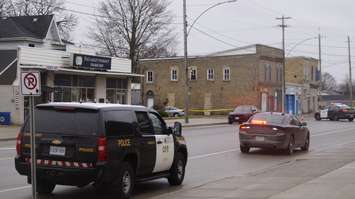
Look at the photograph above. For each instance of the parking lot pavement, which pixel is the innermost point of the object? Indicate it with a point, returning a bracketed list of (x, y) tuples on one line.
[(327, 174), (8, 132)]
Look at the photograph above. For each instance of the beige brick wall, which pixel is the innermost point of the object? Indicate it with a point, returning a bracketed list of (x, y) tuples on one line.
[(244, 87)]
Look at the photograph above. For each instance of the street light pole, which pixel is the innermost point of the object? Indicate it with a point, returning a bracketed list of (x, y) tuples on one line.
[(187, 89), (186, 34)]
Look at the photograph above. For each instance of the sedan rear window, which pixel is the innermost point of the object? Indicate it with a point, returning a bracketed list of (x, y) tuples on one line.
[(268, 118), (73, 122), (243, 109)]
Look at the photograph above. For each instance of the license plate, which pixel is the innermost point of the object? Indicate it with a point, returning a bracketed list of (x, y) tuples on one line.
[(57, 150), (260, 139)]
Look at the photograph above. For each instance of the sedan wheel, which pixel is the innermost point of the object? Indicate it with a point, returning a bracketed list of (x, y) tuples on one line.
[(290, 146), (305, 147), (244, 149)]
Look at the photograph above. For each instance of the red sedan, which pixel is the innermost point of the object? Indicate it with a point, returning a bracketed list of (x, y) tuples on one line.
[(275, 131)]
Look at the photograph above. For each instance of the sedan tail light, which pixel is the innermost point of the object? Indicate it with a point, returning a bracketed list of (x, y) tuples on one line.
[(19, 143)]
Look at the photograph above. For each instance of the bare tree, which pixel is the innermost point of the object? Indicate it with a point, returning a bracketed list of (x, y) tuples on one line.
[(135, 29), (66, 22), (328, 82)]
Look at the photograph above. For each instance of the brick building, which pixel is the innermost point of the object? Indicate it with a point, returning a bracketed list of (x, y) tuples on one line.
[(223, 80), (302, 89)]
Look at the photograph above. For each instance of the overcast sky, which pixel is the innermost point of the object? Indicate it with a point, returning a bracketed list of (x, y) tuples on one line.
[(253, 21)]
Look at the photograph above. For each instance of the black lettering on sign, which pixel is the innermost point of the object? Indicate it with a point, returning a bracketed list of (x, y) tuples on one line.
[(165, 148)]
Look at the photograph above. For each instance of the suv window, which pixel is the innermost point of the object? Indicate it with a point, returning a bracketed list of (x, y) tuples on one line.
[(159, 127), (144, 124), (118, 123), (73, 122)]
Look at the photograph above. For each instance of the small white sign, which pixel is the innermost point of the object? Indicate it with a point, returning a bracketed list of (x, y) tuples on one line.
[(31, 83)]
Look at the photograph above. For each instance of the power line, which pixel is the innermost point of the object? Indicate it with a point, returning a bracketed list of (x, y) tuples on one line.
[(215, 38)]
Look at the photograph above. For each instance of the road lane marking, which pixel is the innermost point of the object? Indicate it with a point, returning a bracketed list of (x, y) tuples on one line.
[(330, 133), (212, 154), (7, 158), (7, 148), (15, 189)]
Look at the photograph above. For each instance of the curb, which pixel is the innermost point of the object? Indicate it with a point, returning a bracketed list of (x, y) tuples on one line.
[(7, 139), (199, 125)]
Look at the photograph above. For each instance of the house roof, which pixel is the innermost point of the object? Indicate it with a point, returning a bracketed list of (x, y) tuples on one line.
[(25, 26)]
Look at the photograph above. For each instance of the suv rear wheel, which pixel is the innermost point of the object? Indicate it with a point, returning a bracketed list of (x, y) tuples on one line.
[(177, 171), (44, 187), (317, 116), (351, 119), (125, 181)]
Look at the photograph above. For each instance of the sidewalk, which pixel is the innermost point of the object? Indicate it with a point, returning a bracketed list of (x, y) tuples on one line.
[(327, 175), (8, 132), (203, 121)]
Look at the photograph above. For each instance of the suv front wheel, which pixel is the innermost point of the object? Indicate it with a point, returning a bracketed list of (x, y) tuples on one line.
[(177, 171)]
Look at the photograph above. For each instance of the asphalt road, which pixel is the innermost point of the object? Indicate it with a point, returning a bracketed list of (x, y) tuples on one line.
[(213, 154)]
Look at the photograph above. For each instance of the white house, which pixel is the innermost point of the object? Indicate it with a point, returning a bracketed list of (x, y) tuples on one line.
[(68, 74)]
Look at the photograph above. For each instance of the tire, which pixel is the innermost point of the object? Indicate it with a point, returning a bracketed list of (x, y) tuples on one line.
[(335, 118), (44, 187), (305, 147), (351, 119), (230, 121), (317, 117), (124, 183), (177, 171), (244, 149), (290, 147)]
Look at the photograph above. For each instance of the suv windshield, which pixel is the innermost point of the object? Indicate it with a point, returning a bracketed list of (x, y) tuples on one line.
[(73, 122)]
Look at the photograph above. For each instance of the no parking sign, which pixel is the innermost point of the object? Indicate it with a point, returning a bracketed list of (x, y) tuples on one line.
[(31, 83)]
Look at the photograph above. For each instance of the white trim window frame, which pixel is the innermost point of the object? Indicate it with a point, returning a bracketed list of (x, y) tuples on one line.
[(174, 74), (193, 73), (226, 74), (150, 77), (210, 74)]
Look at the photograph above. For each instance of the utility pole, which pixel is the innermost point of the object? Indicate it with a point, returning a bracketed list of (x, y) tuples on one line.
[(283, 26), (320, 69), (186, 65), (320, 56), (350, 75)]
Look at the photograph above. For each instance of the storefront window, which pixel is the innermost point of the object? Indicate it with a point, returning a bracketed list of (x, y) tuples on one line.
[(116, 90), (73, 88)]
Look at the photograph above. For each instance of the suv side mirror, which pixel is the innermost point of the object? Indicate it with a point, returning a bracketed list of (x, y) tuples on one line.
[(178, 128)]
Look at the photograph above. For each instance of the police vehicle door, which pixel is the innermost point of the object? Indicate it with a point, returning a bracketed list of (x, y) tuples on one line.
[(164, 145), (147, 143), (324, 112)]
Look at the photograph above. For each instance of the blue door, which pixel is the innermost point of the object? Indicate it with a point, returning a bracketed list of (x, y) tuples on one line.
[(290, 104)]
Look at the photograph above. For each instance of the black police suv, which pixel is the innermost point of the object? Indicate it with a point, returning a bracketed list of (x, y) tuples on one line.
[(335, 112), (110, 146)]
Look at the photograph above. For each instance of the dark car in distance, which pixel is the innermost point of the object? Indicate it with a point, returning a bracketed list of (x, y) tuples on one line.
[(241, 114), (274, 131)]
